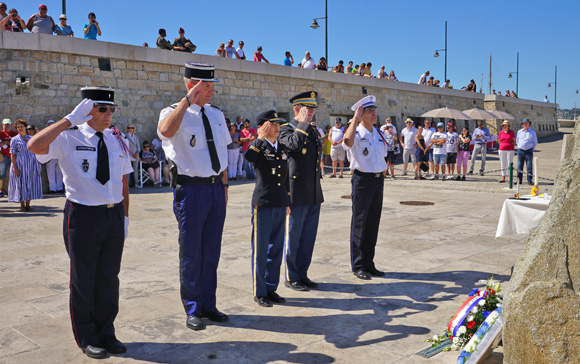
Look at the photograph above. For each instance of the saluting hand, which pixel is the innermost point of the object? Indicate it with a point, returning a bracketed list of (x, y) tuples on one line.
[(80, 114), (195, 92), (358, 114), (264, 130), (302, 114)]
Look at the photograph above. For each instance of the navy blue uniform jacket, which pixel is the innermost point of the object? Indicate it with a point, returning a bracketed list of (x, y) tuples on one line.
[(304, 146), (271, 174)]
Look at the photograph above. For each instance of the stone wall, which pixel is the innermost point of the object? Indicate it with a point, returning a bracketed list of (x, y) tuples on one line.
[(147, 80)]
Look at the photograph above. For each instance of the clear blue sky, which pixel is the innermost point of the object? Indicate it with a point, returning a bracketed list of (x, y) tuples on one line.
[(402, 35)]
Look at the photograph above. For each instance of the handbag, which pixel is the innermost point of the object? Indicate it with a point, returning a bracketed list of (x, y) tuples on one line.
[(424, 167)]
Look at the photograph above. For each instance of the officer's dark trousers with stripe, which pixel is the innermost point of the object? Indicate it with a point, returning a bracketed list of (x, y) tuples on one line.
[(94, 238), (300, 240), (200, 211), (268, 227), (367, 204)]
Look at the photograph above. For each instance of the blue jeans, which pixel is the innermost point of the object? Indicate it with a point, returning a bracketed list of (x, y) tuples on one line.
[(526, 156), (248, 167)]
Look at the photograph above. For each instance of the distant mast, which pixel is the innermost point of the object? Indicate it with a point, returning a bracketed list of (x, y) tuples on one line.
[(490, 73)]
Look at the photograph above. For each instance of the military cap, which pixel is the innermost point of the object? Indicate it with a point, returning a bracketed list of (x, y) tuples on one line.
[(367, 102), (99, 95), (307, 99), (270, 115), (200, 71)]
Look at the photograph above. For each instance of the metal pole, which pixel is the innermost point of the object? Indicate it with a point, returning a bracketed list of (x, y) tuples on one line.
[(445, 80), (326, 29), (518, 74), (64, 6), (511, 175), (555, 82)]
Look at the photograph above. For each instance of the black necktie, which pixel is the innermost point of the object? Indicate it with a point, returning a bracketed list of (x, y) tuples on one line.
[(215, 161), (102, 160)]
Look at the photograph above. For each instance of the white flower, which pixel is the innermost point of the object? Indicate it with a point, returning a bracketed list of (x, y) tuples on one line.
[(454, 347), (455, 340), (461, 330), (435, 338), (481, 303), (470, 318)]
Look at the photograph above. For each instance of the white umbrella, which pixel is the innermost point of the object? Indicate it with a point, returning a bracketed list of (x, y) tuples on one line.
[(501, 115), (446, 113), (479, 114)]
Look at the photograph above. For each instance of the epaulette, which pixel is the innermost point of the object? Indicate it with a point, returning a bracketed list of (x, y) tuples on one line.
[(173, 106), (73, 128), (254, 148), (215, 107)]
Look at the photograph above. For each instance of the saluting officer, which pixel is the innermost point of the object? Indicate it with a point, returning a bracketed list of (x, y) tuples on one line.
[(195, 137), (304, 145), (94, 160), (270, 208), (367, 148)]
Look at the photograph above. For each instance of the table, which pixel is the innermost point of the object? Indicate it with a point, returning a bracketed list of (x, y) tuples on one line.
[(521, 216)]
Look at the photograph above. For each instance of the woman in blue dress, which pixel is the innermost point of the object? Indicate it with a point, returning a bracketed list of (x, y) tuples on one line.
[(25, 183)]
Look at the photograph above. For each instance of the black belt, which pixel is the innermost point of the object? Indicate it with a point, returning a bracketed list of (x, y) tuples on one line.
[(364, 174), (107, 206), (187, 180)]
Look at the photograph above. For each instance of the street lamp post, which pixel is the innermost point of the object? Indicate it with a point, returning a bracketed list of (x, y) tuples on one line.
[(316, 26), (443, 50), (64, 6), (517, 74), (555, 82)]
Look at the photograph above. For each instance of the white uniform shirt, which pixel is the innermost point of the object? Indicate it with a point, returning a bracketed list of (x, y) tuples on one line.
[(188, 147), (374, 160), (75, 147)]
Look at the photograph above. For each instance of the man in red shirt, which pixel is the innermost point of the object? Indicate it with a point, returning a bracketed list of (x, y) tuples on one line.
[(248, 135), (5, 135)]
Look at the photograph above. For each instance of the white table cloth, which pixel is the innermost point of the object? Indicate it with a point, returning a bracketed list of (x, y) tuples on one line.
[(521, 216)]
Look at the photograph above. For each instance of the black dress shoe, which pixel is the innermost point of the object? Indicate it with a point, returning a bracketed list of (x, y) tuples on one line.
[(113, 345), (361, 274), (275, 297), (296, 285), (263, 301), (95, 352), (215, 316), (308, 283), (195, 323), (376, 273)]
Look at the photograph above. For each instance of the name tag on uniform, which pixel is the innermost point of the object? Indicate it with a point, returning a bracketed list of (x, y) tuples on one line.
[(86, 147)]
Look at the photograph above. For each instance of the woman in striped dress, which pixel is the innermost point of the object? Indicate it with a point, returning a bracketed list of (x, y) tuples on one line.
[(25, 183)]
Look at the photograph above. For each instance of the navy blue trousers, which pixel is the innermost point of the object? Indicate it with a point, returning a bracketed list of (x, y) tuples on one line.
[(268, 227), (200, 211), (94, 237), (525, 156), (367, 204), (301, 235)]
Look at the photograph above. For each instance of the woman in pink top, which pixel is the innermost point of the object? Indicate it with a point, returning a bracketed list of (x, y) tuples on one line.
[(507, 142), (258, 56)]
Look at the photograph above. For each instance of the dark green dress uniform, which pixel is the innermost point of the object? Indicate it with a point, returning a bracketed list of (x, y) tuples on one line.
[(269, 203), (304, 146)]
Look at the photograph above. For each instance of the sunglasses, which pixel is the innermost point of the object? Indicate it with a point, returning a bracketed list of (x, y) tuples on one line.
[(145, 146), (130, 127), (104, 109), (408, 122)]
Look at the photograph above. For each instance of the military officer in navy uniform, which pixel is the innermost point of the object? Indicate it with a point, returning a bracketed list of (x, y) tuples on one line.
[(195, 137), (270, 208), (304, 146), (93, 159), (367, 147)]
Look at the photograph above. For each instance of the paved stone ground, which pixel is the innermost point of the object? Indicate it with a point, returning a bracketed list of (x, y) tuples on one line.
[(433, 256)]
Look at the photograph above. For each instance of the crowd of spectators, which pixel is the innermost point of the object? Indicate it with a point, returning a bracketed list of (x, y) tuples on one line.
[(508, 93)]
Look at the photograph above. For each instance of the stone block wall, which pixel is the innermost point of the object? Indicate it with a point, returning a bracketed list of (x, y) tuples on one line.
[(147, 80)]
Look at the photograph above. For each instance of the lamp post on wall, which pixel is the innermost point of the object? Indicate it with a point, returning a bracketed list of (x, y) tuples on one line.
[(443, 50), (555, 82), (316, 26), (517, 74)]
